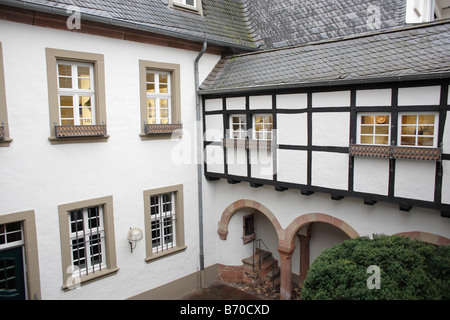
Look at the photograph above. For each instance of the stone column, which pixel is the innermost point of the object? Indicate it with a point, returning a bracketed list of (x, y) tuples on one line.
[(286, 272), (304, 256)]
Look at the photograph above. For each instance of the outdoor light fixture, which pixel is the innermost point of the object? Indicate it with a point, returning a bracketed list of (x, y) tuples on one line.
[(134, 235)]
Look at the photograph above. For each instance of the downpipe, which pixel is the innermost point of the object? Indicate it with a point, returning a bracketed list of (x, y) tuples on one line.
[(199, 166)]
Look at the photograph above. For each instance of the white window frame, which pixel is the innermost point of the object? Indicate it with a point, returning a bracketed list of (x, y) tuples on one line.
[(375, 124), (183, 3), (159, 220), (265, 133), (84, 234), (157, 96), (75, 92), (241, 132), (417, 125)]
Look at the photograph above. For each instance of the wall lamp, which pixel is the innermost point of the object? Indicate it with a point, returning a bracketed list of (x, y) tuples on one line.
[(134, 235)]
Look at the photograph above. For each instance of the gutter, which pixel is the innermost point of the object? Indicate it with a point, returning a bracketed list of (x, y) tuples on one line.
[(199, 165), (107, 20)]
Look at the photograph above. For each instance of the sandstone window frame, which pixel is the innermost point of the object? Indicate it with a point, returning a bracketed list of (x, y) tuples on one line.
[(5, 139), (52, 57), (179, 246), (110, 247), (160, 131)]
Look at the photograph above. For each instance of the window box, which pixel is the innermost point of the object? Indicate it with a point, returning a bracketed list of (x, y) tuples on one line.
[(151, 128), (80, 131), (254, 144), (2, 132), (395, 152), (235, 143)]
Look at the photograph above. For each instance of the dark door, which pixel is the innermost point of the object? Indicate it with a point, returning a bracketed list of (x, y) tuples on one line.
[(12, 282)]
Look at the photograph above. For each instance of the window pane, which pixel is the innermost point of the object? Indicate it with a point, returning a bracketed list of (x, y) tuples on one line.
[(381, 140), (65, 83), (84, 101), (66, 101), (408, 141), (163, 88), (150, 77), (84, 83), (66, 113), (409, 119), (427, 142), (426, 130), (367, 120), (150, 87), (408, 130), (67, 122), (64, 70), (366, 140), (383, 119), (164, 103), (381, 129), (84, 72), (426, 119), (367, 129)]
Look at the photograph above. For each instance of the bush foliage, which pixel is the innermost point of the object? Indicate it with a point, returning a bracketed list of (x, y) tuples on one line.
[(409, 269)]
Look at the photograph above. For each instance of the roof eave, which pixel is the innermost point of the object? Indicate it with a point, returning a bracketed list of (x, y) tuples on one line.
[(200, 38), (327, 83)]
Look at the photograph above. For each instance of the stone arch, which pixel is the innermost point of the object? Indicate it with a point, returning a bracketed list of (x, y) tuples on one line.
[(290, 233), (426, 237), (244, 203)]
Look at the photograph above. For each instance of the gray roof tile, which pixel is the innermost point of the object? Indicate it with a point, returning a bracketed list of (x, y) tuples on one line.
[(406, 52)]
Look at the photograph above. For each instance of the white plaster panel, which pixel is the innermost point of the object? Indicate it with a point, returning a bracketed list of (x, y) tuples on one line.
[(214, 159), (214, 127), (371, 175), (292, 166), (292, 101), (331, 129), (237, 161), (373, 97), (213, 104), (292, 129), (417, 96), (330, 170), (261, 164), (415, 179), (331, 99), (446, 137), (261, 102), (235, 103), (446, 182)]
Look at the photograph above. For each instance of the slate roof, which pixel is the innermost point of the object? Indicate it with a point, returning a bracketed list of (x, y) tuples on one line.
[(222, 23), (407, 53), (290, 22)]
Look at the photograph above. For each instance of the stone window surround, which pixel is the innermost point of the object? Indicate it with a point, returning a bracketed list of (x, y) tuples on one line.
[(179, 227), (6, 141), (64, 229), (174, 70), (52, 55)]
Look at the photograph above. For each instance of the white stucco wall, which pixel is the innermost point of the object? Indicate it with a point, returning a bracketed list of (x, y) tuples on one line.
[(39, 176)]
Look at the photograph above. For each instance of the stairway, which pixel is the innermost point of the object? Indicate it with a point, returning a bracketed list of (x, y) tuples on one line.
[(261, 266)]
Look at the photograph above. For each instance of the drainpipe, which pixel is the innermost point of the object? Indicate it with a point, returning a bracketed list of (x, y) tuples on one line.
[(199, 165)]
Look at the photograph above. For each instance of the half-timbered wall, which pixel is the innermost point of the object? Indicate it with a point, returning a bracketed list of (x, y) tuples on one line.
[(317, 142)]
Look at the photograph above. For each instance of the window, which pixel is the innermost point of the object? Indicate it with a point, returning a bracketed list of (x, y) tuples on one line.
[(76, 96), (417, 129), (162, 211), (164, 221), (87, 240), (76, 84), (263, 125), (193, 5), (5, 140), (11, 234), (374, 129), (238, 127), (160, 99)]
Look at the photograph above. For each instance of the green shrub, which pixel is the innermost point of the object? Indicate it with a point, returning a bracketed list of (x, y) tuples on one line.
[(409, 269)]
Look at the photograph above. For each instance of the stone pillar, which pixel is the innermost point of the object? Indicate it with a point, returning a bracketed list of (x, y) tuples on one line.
[(285, 272), (304, 256)]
